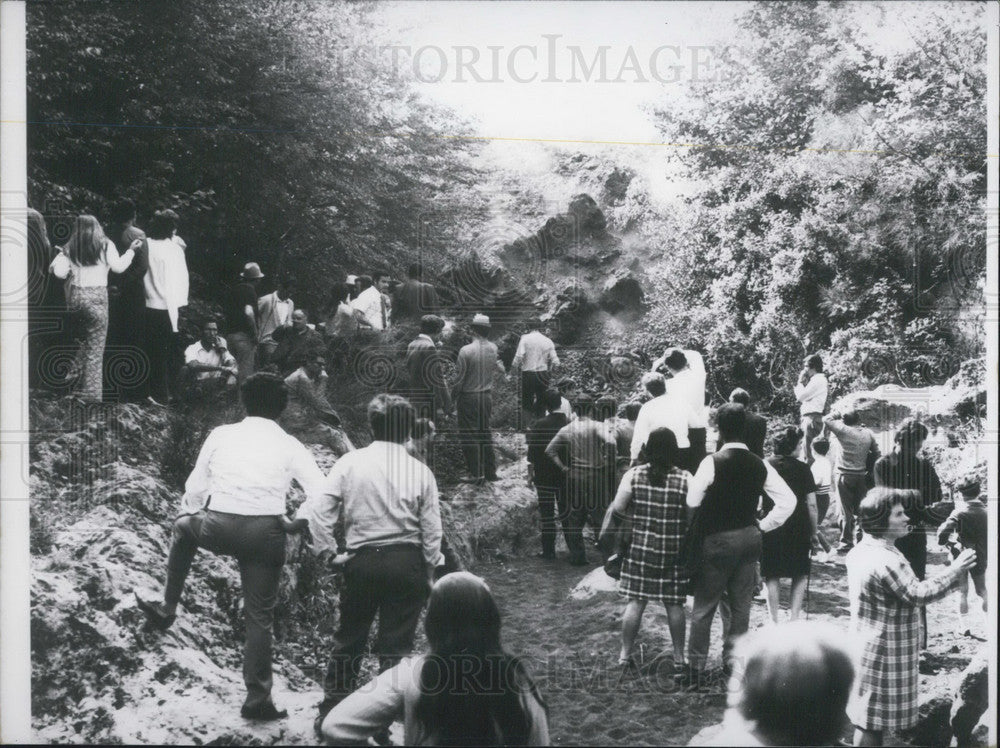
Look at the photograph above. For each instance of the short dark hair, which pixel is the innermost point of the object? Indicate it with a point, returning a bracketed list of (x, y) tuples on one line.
[(874, 509), (209, 321), (821, 447), (583, 405), (656, 386), (851, 417), (815, 362), (786, 440), (122, 210), (415, 270), (378, 275), (632, 409), (163, 224), (264, 395), (431, 324), (605, 407), (340, 291), (534, 323), (391, 418), (910, 433), (676, 360), (483, 330), (731, 419), (741, 396), (551, 399)]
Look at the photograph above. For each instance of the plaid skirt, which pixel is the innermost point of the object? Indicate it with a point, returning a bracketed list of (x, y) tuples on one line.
[(664, 582)]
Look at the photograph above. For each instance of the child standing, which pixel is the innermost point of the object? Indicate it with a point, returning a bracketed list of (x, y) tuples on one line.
[(822, 472), (966, 527)]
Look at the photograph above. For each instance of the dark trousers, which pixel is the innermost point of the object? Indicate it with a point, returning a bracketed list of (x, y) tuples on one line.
[(125, 358), (552, 505), (474, 411), (728, 565), (851, 489), (390, 582), (812, 427), (587, 499), (159, 344), (258, 544), (533, 386)]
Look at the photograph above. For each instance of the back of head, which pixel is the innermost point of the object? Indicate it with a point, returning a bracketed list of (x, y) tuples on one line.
[(391, 418), (264, 395), (87, 241), (786, 441), (676, 360), (364, 282), (605, 407), (741, 396), (661, 452), (796, 682), (583, 405), (654, 383), (731, 419), (534, 323), (339, 292), (551, 399), (815, 362), (162, 225), (566, 384), (122, 211), (851, 417), (911, 434), (821, 447), (431, 324), (632, 409), (470, 690), (415, 271)]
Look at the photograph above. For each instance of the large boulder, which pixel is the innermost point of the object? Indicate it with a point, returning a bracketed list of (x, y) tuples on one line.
[(622, 293), (971, 699)]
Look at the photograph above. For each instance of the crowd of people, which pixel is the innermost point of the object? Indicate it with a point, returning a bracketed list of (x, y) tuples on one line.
[(684, 524)]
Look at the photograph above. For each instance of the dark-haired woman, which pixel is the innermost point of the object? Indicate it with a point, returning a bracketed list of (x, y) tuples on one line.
[(651, 570), (785, 551), (84, 263), (126, 303), (466, 691)]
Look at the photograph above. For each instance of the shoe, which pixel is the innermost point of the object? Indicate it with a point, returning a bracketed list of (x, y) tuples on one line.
[(578, 561), (156, 613), (266, 712)]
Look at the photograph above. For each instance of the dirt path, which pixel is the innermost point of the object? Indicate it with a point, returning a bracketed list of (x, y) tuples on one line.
[(572, 646)]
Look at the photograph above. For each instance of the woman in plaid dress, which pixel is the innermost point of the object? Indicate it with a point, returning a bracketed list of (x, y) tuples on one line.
[(656, 493), (885, 599)]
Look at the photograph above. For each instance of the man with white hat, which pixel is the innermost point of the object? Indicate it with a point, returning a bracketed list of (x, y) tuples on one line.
[(241, 318), (472, 388)]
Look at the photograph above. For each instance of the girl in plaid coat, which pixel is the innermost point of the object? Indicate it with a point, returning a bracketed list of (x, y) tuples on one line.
[(656, 494), (886, 597)]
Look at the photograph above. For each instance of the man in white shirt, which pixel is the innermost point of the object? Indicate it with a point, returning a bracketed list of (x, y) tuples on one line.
[(373, 303), (208, 363), (665, 410), (687, 381), (725, 491), (392, 533), (234, 505), (536, 359), (811, 392)]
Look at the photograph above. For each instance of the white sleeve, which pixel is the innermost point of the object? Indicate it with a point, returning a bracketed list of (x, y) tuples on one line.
[(61, 267), (196, 487), (782, 496), (700, 481)]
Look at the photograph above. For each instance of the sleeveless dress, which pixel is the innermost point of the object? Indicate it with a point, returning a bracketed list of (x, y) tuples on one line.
[(785, 551), (651, 569)]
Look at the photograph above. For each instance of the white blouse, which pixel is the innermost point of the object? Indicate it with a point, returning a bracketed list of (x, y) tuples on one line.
[(91, 276)]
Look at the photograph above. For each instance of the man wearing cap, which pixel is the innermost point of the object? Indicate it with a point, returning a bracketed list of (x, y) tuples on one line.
[(241, 318), (425, 367), (472, 388), (536, 359)]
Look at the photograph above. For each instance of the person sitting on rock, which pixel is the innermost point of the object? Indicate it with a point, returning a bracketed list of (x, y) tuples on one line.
[(309, 415), (296, 344), (245, 469), (209, 367)]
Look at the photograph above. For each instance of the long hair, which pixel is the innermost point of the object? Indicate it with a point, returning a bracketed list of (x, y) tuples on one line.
[(661, 452), (87, 242), (470, 689), (786, 441)]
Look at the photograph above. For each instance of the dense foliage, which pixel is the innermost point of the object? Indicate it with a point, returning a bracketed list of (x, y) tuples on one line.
[(262, 122), (842, 202)]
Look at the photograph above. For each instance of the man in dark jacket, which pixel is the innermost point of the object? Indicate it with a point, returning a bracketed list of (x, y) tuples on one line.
[(755, 426), (413, 298), (296, 344), (425, 367), (547, 477)]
